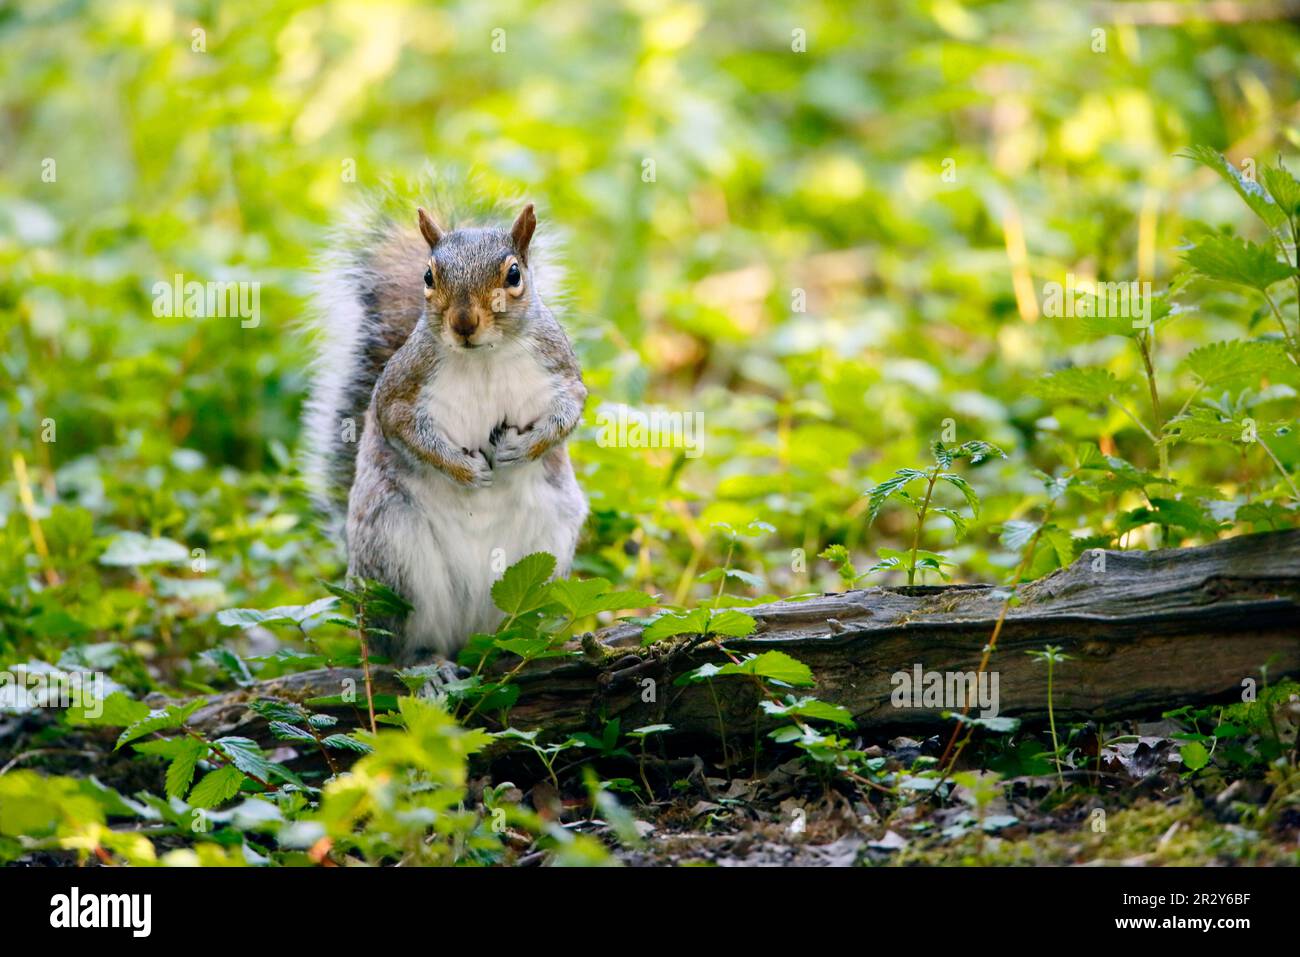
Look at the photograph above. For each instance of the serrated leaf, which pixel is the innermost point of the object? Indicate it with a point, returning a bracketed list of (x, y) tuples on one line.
[(954, 516), (977, 451), (1222, 362), (277, 709), (961, 485), (1089, 384), (345, 742), (810, 708), (693, 622), (288, 732), (244, 754), (731, 624), (1016, 534), (582, 598), (162, 720), (1254, 195), (180, 773), (523, 586), (115, 711), (290, 614), (879, 494), (1283, 187), (998, 724), (1229, 259), (774, 666), (216, 787)]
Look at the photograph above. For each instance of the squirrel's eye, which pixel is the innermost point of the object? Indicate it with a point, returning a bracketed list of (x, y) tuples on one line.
[(428, 277), (512, 275)]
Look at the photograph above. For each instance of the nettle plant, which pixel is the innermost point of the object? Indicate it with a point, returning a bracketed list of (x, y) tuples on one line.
[(1236, 393), (916, 489)]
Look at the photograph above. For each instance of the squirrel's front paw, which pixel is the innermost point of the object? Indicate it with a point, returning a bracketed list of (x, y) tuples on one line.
[(512, 447), (475, 470)]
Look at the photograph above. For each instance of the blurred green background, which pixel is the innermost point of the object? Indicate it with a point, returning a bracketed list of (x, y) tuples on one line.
[(915, 173)]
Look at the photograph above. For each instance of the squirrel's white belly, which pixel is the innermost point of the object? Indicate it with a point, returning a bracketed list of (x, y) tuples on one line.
[(460, 540), (473, 392)]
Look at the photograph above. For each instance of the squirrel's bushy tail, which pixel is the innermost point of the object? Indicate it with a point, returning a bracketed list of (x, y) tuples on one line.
[(368, 296)]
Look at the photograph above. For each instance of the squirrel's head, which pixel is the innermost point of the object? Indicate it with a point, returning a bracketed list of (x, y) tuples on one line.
[(477, 284)]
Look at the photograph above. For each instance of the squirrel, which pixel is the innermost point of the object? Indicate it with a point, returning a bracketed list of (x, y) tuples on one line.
[(437, 347)]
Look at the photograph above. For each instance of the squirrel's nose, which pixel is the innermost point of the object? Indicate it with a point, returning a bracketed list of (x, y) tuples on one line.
[(464, 324)]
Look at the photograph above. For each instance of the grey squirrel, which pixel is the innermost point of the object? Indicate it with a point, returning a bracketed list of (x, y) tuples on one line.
[(442, 396)]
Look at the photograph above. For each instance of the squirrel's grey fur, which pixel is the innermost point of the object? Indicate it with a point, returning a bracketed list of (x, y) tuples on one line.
[(438, 415)]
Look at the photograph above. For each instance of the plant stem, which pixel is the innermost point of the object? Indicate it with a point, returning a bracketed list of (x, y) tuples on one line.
[(920, 524), (1051, 721), (365, 668), (722, 727), (1286, 332), (1144, 347), (993, 642), (1136, 421), (1287, 478)]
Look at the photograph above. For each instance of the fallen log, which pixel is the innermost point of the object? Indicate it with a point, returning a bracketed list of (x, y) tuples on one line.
[(1144, 632)]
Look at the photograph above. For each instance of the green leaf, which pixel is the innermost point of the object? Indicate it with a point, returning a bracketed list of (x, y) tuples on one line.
[(952, 515), (230, 663), (244, 754), (1208, 426), (748, 578), (582, 598), (976, 451), (998, 724), (1254, 195), (288, 732), (216, 787), (1092, 385), (1194, 755), (523, 586), (693, 622), (1222, 362), (277, 709), (731, 624), (131, 549), (1283, 187), (380, 601), (524, 647), (163, 720), (345, 742), (288, 614), (116, 711), (775, 666), (1062, 543), (1016, 534), (961, 485), (1229, 259), (180, 773), (1170, 513), (839, 556), (879, 494), (811, 709)]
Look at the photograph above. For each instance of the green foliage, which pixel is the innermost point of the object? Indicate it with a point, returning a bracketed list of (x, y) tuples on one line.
[(896, 488), (827, 301)]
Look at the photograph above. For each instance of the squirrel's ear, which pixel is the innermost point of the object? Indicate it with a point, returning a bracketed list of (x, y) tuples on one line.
[(428, 228), (522, 231)]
